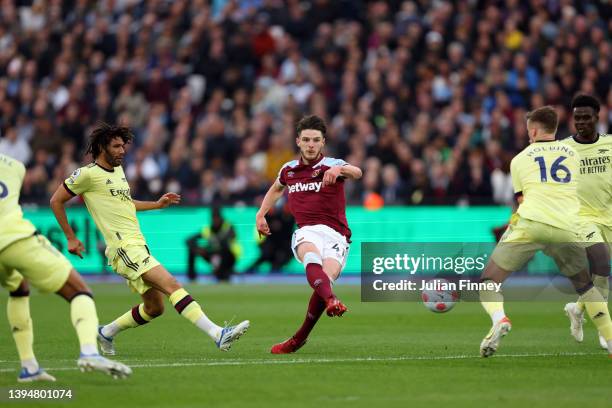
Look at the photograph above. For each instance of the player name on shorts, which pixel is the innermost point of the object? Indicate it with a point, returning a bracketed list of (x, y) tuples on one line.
[(462, 284), (298, 187)]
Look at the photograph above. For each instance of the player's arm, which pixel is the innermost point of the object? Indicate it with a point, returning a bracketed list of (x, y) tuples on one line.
[(518, 197), (344, 170), (58, 205), (517, 183), (163, 202), (274, 193)]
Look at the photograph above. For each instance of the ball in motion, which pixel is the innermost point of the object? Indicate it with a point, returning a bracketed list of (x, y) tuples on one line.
[(439, 295)]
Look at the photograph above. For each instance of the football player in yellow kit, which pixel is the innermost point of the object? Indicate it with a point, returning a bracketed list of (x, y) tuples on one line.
[(544, 176), (106, 193), (25, 253), (595, 196)]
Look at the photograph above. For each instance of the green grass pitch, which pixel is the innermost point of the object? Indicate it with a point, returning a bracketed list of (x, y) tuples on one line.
[(379, 354)]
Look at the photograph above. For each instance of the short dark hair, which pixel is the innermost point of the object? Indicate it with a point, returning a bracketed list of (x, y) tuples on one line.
[(103, 133), (585, 101), (546, 116), (311, 122)]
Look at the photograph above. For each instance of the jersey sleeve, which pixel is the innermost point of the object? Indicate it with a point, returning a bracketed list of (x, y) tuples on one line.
[(517, 184), (337, 162), (78, 182), (281, 176)]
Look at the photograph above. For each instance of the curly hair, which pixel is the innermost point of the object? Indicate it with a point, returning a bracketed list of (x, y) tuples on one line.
[(103, 133)]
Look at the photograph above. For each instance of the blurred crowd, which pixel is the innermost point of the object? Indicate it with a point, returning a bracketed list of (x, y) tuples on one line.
[(427, 96)]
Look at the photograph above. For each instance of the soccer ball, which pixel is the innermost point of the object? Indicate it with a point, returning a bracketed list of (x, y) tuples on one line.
[(440, 298)]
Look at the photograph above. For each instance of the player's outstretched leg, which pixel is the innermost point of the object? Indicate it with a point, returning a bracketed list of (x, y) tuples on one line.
[(186, 306), (152, 307), (85, 322), (319, 280), (18, 313), (316, 307), (597, 309), (599, 268), (493, 303)]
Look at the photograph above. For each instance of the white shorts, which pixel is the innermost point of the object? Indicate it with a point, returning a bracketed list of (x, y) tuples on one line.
[(329, 242)]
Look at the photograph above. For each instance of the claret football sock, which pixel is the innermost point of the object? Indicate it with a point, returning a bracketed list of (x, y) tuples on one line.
[(319, 281), (192, 311), (597, 309), (316, 307), (135, 317), (493, 304), (85, 321), (18, 313)]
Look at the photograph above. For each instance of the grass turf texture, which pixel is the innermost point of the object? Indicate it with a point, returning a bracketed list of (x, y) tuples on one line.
[(379, 354)]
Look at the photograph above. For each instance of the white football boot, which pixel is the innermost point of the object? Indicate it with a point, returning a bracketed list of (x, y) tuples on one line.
[(602, 342), (230, 334), (105, 343), (96, 362), (490, 343), (40, 375), (576, 318)]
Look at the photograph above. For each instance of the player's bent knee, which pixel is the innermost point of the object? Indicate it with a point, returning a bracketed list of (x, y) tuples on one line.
[(74, 286), (332, 268), (312, 257), (22, 291)]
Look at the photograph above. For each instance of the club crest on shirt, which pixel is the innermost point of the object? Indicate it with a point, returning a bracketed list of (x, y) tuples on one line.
[(316, 173), (290, 174)]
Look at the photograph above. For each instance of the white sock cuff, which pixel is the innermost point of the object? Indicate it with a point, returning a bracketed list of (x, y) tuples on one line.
[(312, 257)]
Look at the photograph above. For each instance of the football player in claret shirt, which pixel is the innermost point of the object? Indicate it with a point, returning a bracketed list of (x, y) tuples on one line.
[(315, 186), (106, 192), (595, 196)]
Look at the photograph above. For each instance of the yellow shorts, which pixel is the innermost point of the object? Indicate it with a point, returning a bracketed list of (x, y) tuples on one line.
[(592, 234), (131, 261), (525, 237), (601, 233), (38, 261), (10, 281)]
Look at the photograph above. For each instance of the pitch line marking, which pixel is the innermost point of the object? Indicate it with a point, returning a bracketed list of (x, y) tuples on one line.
[(247, 362)]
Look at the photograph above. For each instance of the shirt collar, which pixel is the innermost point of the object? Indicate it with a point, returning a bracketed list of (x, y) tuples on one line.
[(321, 156), (104, 168), (578, 141)]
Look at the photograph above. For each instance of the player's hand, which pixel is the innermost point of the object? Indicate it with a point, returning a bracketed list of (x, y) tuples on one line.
[(262, 226), (75, 247), (331, 175), (168, 199)]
